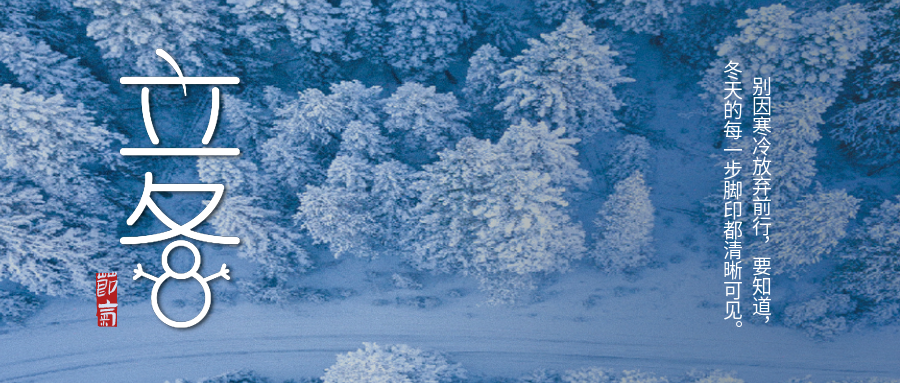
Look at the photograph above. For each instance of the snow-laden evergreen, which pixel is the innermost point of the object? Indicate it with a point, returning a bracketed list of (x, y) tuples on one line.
[(870, 131), (630, 155), (873, 271), (364, 34), (425, 121), (312, 24), (266, 238), (867, 124), (365, 140), (647, 16), (53, 143), (129, 32), (46, 249), (485, 209), (806, 232), (423, 36), (17, 307), (536, 147), (482, 87), (822, 317), (392, 363), (791, 153), (502, 25), (602, 375), (244, 123), (49, 73), (640, 16), (337, 212), (360, 208), (804, 55), (288, 155), (557, 10), (567, 79), (482, 92), (625, 227)]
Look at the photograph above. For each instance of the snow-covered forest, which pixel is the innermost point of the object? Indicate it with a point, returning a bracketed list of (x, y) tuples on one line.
[(437, 191)]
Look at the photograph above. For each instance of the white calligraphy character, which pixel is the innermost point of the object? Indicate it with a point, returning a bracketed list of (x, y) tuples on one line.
[(187, 229)]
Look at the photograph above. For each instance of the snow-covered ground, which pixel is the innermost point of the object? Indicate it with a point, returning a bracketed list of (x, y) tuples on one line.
[(655, 323)]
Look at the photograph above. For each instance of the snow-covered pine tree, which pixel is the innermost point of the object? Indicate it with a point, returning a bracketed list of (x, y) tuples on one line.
[(880, 68), (393, 200), (541, 375), (16, 15), (364, 34), (289, 155), (598, 375), (240, 376), (552, 11), (48, 73), (252, 211), (45, 249), (822, 317), (483, 77), (309, 130), (793, 150), (53, 22), (360, 209), (714, 376), (442, 221), (338, 212), (312, 116), (870, 131), (480, 213), (791, 153), (500, 24), (868, 124), (261, 23), (809, 56), (639, 16), (424, 121), (646, 16), (241, 175), (63, 233), (482, 93), (630, 155), (534, 147), (523, 226), (808, 230), (129, 32), (364, 140), (566, 79), (392, 363), (359, 101), (873, 271), (17, 306), (637, 376), (244, 123), (267, 237), (588, 375), (320, 118), (625, 226), (313, 25), (423, 36), (52, 143)]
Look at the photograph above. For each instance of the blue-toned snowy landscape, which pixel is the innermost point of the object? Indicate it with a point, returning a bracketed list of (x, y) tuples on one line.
[(451, 191)]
